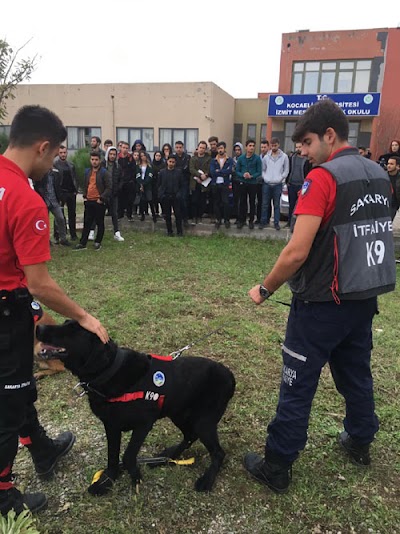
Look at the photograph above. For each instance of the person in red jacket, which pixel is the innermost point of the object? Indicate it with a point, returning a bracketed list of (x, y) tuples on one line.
[(35, 137)]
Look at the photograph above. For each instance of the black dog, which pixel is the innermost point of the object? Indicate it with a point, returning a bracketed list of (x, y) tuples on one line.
[(130, 390)]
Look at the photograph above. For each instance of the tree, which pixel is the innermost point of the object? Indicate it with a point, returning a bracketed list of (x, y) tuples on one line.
[(12, 72)]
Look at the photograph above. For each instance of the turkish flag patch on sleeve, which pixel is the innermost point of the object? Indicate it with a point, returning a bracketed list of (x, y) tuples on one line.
[(40, 226)]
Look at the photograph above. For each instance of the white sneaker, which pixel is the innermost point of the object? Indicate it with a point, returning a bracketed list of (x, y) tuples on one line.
[(91, 235), (118, 236)]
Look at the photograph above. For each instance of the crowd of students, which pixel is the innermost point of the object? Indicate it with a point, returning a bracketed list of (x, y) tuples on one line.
[(128, 182)]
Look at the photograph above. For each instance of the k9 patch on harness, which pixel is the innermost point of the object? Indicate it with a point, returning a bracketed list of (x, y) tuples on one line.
[(306, 186)]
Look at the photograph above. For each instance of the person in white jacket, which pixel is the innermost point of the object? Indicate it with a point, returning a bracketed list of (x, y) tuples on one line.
[(275, 169)]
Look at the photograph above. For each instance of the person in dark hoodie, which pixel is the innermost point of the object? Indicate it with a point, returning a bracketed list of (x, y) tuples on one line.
[(169, 193), (157, 165), (111, 164), (140, 146), (126, 192)]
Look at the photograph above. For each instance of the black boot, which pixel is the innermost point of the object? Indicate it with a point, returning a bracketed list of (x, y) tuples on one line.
[(270, 471), (14, 499), (359, 454), (46, 452)]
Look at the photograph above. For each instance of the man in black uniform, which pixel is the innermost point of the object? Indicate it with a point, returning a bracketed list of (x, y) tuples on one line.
[(35, 137), (339, 259)]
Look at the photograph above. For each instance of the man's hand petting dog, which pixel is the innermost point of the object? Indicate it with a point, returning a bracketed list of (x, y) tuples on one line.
[(130, 391)]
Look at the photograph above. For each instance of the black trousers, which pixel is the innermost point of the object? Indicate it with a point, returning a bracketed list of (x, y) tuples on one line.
[(169, 203), (126, 197), (247, 190), (259, 196), (220, 196), (94, 213), (18, 416), (69, 200)]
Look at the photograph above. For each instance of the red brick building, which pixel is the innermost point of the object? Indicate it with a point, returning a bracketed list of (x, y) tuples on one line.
[(357, 68)]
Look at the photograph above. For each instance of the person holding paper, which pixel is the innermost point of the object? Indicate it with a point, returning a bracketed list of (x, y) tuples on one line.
[(199, 172)]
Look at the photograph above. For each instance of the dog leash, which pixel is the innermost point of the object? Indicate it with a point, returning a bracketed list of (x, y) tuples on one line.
[(178, 353)]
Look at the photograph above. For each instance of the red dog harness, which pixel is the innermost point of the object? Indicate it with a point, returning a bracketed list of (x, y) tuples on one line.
[(152, 387)]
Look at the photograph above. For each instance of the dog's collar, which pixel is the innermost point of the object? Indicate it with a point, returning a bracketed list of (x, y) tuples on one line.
[(111, 371)]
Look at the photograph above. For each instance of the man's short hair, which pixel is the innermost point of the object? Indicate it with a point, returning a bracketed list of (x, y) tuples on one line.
[(396, 159), (171, 156), (319, 117), (213, 138), (202, 143), (275, 141), (36, 123), (264, 142), (124, 143), (179, 143), (362, 148), (108, 142), (62, 147), (221, 143), (94, 153), (250, 141), (98, 140)]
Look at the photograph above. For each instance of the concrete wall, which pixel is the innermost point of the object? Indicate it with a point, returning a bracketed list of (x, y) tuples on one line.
[(200, 105)]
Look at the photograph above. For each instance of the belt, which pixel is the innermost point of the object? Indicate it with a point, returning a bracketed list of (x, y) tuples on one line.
[(15, 296)]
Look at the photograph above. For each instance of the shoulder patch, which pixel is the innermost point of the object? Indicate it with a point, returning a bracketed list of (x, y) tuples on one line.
[(306, 186), (40, 227)]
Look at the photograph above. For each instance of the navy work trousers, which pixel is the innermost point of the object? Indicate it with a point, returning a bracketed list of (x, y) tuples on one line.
[(318, 333)]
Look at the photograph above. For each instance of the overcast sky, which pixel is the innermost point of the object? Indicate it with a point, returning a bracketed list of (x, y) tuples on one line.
[(127, 41)]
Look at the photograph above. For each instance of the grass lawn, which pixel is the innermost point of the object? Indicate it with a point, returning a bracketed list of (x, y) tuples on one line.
[(157, 294)]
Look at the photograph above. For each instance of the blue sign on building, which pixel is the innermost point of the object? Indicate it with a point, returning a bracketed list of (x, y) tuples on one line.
[(353, 104)]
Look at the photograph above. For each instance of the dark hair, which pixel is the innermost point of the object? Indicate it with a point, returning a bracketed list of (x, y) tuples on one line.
[(108, 142), (319, 117), (98, 140), (275, 141), (179, 143), (213, 138), (250, 141), (94, 153), (35, 123), (264, 142), (201, 143), (396, 159), (221, 143), (362, 148), (164, 146), (63, 146), (171, 156)]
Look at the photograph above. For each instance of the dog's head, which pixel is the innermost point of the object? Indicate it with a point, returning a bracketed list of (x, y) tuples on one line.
[(84, 353)]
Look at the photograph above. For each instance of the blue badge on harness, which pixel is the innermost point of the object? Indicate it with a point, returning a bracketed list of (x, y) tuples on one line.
[(35, 305), (306, 187), (158, 379)]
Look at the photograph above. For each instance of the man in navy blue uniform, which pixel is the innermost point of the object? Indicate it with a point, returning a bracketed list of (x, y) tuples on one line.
[(339, 259)]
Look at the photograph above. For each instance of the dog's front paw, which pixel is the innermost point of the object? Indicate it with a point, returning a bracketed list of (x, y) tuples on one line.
[(204, 483), (101, 483)]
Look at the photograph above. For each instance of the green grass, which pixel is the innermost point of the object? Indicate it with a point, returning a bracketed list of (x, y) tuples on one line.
[(157, 294)]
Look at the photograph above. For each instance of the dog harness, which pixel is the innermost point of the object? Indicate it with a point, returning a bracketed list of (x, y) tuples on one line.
[(155, 384)]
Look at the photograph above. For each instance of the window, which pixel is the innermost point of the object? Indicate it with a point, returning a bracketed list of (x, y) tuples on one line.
[(288, 145), (251, 131), (263, 132), (237, 133), (188, 136), (5, 130), (130, 135), (354, 128), (79, 137), (331, 76)]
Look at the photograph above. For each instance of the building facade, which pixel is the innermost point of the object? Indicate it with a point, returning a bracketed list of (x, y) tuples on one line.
[(357, 68)]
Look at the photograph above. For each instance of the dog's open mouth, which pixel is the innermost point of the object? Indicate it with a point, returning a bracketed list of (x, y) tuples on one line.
[(50, 352)]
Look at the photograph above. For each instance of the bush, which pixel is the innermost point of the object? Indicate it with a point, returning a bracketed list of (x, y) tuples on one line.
[(3, 142), (81, 160)]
